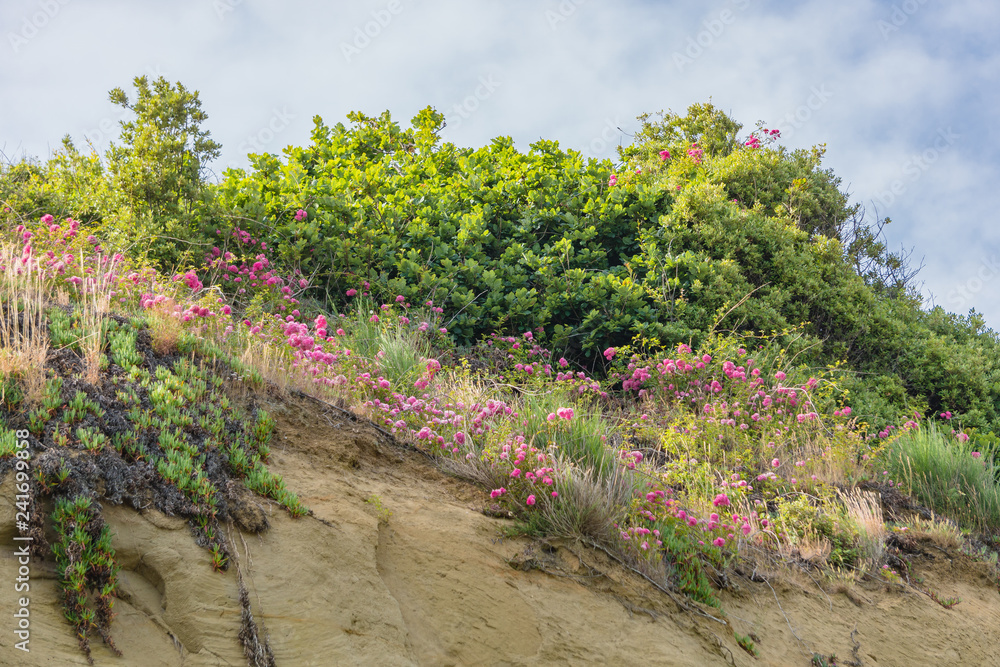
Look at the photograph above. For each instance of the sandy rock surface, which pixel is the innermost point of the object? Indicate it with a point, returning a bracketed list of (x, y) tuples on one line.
[(436, 585)]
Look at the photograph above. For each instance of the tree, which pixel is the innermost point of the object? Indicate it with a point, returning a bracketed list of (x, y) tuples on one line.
[(160, 161)]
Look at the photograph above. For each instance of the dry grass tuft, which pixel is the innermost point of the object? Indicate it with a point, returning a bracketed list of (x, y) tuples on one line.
[(164, 327), (24, 341), (590, 505), (93, 306), (942, 532), (864, 509)]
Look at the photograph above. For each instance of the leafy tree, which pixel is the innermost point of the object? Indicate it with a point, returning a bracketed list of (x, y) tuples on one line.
[(159, 164)]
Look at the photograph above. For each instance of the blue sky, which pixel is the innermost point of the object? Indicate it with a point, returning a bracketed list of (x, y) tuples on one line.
[(904, 94)]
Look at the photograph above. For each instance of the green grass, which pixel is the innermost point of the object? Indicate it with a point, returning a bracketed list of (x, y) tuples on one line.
[(578, 440), (941, 473), (399, 352)]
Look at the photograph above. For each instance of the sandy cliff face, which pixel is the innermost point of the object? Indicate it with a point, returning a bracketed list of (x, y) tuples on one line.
[(435, 585)]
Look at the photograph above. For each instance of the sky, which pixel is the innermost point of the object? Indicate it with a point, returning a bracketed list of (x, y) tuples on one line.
[(903, 94)]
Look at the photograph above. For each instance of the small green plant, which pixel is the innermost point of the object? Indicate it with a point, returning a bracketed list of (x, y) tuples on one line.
[(64, 329), (746, 644), (947, 603), (91, 440), (381, 511), (219, 559), (8, 443), (123, 349), (37, 421)]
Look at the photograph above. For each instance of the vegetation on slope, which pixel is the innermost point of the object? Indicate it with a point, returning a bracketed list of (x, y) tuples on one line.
[(698, 358)]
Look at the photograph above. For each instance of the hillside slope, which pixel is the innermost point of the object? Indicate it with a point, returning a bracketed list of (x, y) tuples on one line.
[(435, 585)]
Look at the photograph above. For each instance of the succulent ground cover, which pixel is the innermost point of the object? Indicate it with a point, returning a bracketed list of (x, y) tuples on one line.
[(167, 431)]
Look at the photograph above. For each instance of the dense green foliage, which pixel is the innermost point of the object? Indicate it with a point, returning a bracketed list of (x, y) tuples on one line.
[(726, 234), (720, 236)]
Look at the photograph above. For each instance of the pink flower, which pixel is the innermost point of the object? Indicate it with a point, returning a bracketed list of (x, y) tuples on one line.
[(719, 541), (46, 219), (613, 181), (226, 310), (373, 318), (352, 292), (555, 494), (976, 455), (341, 332), (721, 500), (565, 413), (775, 463), (496, 493), (300, 215), (552, 417), (460, 438), (664, 155), (609, 353), (780, 375), (531, 500)]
